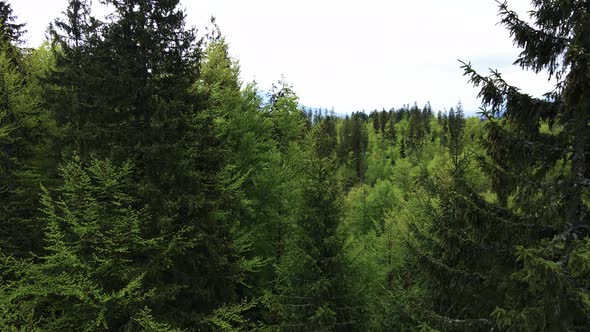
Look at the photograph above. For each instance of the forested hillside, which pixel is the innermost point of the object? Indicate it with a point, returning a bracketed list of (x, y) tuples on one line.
[(145, 187)]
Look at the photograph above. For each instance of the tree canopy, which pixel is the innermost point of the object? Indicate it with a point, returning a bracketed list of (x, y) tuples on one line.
[(145, 187)]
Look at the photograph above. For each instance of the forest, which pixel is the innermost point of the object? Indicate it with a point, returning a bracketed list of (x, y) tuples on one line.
[(145, 187)]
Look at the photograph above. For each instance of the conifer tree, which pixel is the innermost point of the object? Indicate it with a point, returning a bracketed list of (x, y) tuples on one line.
[(11, 33), (288, 120), (534, 233), (25, 144), (455, 126), (149, 58), (74, 87), (312, 292), (443, 121), (344, 144), (417, 130), (552, 264), (10, 84), (375, 116), (383, 121), (326, 147), (390, 131), (402, 148), (91, 276), (359, 142)]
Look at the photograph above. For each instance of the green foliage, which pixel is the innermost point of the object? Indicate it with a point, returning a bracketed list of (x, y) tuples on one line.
[(536, 173), (190, 202), (311, 290), (287, 119), (145, 321), (26, 148), (11, 33), (231, 318), (91, 276)]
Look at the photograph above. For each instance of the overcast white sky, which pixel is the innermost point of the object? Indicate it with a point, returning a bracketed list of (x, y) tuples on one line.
[(352, 55)]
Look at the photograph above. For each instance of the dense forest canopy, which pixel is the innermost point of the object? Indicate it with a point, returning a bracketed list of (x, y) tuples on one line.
[(145, 187)]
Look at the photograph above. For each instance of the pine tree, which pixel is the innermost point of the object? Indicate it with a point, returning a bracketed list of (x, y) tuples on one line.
[(390, 131), (288, 120), (91, 276), (534, 232), (25, 144), (443, 121), (359, 142), (427, 115), (344, 144), (150, 60), (453, 245), (554, 266), (383, 121), (375, 116), (73, 88), (417, 131), (455, 126), (10, 84), (11, 33), (326, 147), (312, 291), (402, 148)]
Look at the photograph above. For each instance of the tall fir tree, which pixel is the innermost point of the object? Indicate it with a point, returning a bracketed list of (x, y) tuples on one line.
[(74, 86), (554, 266), (27, 138), (311, 291), (11, 33), (534, 231)]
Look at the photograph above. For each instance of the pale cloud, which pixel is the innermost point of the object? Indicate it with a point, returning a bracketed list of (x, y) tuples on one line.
[(354, 55)]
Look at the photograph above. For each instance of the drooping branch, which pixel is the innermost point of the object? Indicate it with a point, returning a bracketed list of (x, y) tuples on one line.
[(541, 49)]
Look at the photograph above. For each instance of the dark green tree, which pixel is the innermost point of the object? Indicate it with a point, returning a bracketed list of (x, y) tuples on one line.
[(443, 121), (344, 144), (375, 116), (11, 33), (454, 136), (326, 147), (383, 115), (535, 231), (390, 131), (359, 142), (73, 87), (548, 171), (452, 245), (312, 289), (417, 130), (25, 143)]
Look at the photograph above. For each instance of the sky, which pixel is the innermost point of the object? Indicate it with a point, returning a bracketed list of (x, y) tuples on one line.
[(353, 55)]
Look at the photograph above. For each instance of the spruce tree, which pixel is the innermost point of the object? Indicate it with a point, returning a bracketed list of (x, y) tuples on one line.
[(417, 131), (534, 231), (454, 136), (73, 88), (383, 121), (344, 144), (312, 292), (359, 142), (390, 131), (26, 144), (549, 171), (11, 33), (375, 116), (288, 120), (91, 275)]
